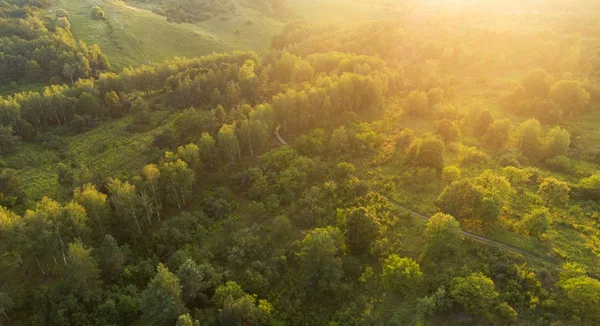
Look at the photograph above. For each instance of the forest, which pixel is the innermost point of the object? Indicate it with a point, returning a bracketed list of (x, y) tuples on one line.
[(439, 166)]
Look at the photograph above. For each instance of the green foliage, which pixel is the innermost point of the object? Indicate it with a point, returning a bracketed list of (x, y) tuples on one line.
[(536, 223), (228, 143), (467, 200), (82, 275), (558, 141), (187, 320), (239, 308), (477, 294), (483, 123), (447, 130), (161, 300), (112, 260), (570, 95), (320, 261), (537, 83), (582, 297), (528, 136), (554, 192), (498, 134), (450, 174), (364, 228), (443, 236), (427, 152), (177, 180), (417, 103), (401, 275)]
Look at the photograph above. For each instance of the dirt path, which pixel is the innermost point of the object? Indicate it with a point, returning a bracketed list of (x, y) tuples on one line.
[(544, 260), (528, 254)]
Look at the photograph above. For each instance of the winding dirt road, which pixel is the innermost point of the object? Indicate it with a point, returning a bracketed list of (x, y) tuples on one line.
[(541, 259)]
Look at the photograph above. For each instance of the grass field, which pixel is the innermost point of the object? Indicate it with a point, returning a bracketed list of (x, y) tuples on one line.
[(108, 150), (134, 35), (137, 36)]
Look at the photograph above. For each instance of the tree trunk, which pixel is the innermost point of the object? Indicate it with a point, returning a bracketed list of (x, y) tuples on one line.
[(62, 247), (136, 220), (9, 320)]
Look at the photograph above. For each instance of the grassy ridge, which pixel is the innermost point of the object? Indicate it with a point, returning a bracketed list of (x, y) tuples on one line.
[(134, 35), (137, 36)]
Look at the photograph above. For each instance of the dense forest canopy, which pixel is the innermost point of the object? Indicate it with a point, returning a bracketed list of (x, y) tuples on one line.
[(437, 168)]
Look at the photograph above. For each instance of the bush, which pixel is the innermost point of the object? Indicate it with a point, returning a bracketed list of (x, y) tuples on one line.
[(97, 13), (471, 155), (560, 164)]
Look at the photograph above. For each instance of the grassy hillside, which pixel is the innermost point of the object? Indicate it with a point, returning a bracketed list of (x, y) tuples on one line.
[(134, 35)]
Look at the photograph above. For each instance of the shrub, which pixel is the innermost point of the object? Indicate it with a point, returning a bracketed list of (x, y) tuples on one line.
[(97, 13)]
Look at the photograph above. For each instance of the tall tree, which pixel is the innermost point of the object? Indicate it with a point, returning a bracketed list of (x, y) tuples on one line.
[(125, 199), (443, 236), (320, 260), (161, 302), (177, 180), (228, 143), (363, 229), (152, 175), (82, 275), (570, 95), (528, 136), (208, 148), (401, 275), (95, 205), (554, 191), (112, 260), (558, 141)]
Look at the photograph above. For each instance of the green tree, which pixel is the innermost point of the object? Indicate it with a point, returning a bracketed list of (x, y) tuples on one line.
[(6, 305), (82, 276), (152, 175), (528, 136), (401, 275), (570, 95), (467, 200), (582, 296), (190, 154), (417, 103), (537, 83), (113, 104), (177, 181), (253, 135), (447, 130), (364, 228), (536, 222), (427, 152), (240, 308), (558, 141), (498, 134), (476, 293), (187, 320), (94, 203), (451, 173), (320, 261), (554, 192), (9, 143), (228, 143), (125, 199), (112, 260), (443, 236), (208, 148), (161, 302), (193, 281), (483, 123)]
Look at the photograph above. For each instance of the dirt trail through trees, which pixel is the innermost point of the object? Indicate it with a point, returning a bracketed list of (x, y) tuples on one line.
[(526, 253)]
